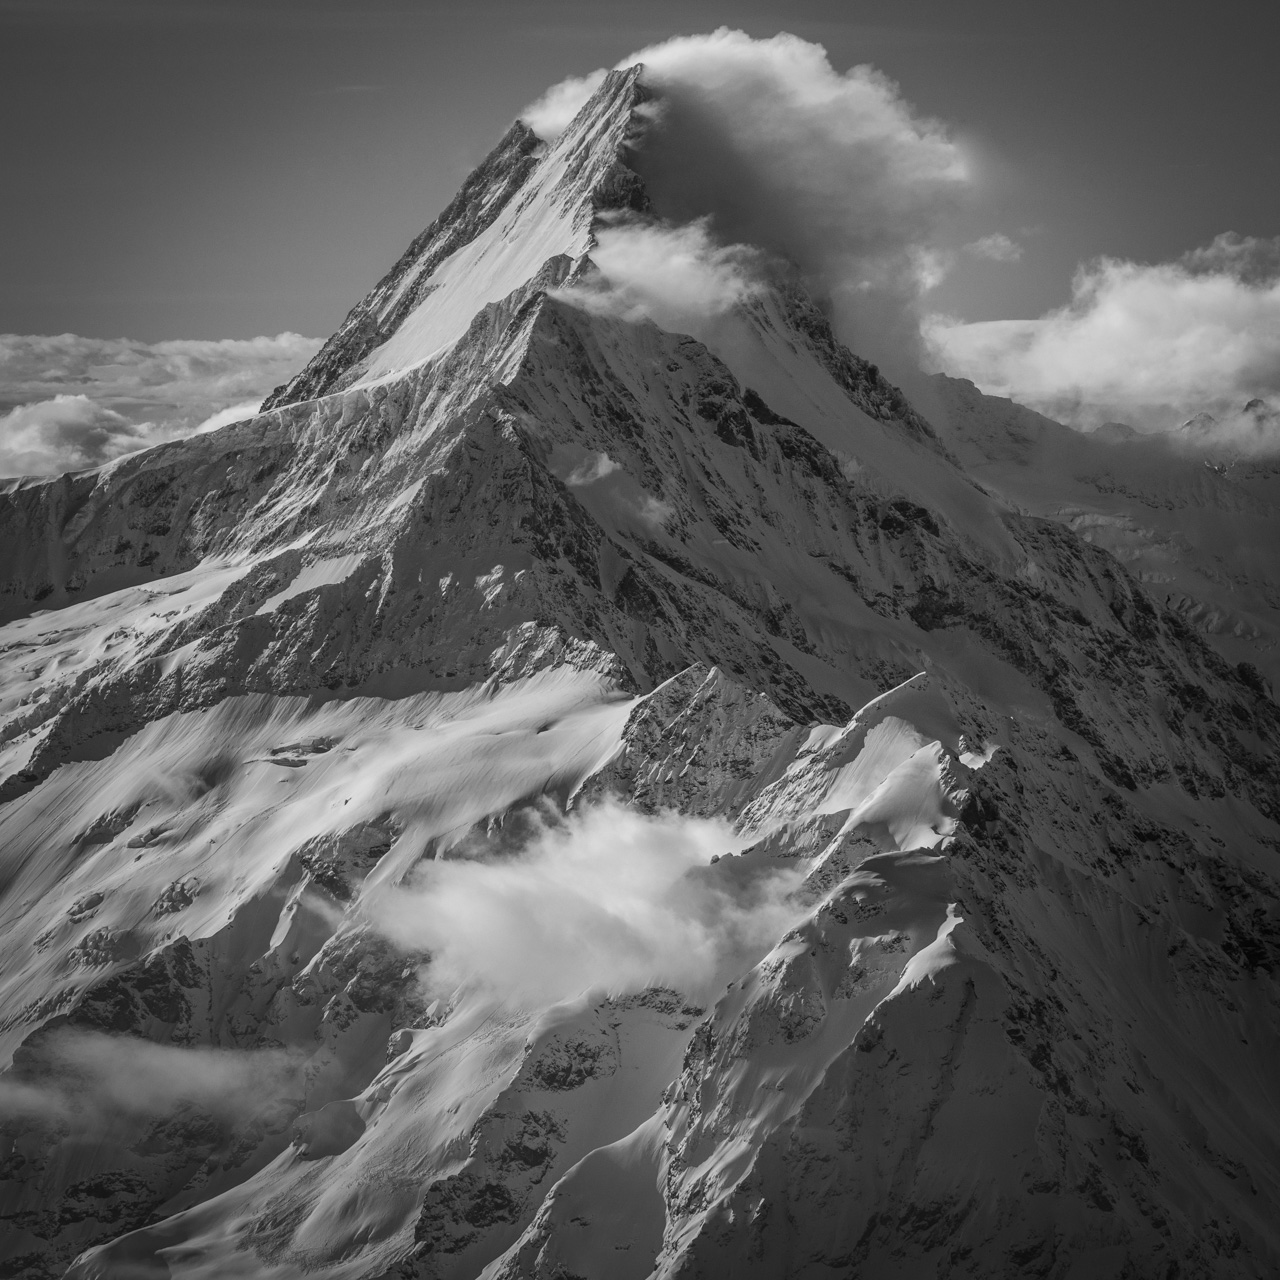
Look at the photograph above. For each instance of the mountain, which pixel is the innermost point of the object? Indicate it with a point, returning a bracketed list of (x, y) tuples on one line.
[(1245, 433), (1197, 532), (554, 797)]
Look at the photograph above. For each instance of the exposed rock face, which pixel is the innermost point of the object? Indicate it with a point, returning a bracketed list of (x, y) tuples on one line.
[(493, 557)]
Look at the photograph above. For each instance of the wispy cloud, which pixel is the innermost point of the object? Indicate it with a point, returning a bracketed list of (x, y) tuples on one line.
[(550, 115), (68, 402), (593, 468), (996, 247), (1252, 260), (96, 1081)]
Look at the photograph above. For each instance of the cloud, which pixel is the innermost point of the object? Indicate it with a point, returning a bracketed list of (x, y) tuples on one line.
[(996, 247), (1252, 260), (68, 402), (95, 1081), (593, 468), (833, 171), (65, 433), (606, 900), (1250, 431), (654, 511), (677, 276), (1152, 345), (551, 114)]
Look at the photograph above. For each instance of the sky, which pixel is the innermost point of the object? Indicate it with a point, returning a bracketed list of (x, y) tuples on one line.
[(228, 169), (202, 169)]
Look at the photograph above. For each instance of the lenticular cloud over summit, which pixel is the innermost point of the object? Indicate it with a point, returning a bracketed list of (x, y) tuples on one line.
[(834, 172)]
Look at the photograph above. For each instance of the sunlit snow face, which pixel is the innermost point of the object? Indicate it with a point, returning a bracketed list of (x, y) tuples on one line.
[(607, 900)]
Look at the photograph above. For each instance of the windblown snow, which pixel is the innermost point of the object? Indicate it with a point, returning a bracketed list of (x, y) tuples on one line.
[(561, 794)]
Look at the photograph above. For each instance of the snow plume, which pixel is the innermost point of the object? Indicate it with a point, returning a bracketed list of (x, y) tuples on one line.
[(605, 900), (68, 402), (832, 171), (93, 1080), (676, 276), (1151, 345)]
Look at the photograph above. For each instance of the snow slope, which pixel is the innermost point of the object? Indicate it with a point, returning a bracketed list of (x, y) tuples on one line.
[(563, 797)]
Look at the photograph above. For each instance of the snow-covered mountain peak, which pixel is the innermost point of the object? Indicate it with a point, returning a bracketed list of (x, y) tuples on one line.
[(452, 778), (528, 204)]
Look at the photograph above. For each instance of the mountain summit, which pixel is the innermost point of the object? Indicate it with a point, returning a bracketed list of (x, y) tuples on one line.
[(524, 216), (557, 796)]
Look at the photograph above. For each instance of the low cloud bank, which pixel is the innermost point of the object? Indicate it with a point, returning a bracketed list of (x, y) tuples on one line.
[(95, 1081), (68, 402), (1150, 345), (606, 900), (780, 151)]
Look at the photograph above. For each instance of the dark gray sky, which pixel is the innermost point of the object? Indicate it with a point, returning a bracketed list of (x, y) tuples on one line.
[(226, 168)]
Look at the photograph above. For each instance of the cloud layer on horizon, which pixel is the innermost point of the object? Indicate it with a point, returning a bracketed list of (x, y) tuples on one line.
[(1148, 344), (835, 172), (68, 402)]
